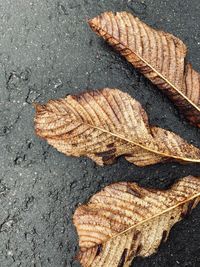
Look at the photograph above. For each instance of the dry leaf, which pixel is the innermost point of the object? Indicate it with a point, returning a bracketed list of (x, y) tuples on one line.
[(158, 55), (106, 124), (124, 221)]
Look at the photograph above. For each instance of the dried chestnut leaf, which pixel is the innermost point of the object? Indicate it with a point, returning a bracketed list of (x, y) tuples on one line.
[(158, 55), (125, 220), (106, 124)]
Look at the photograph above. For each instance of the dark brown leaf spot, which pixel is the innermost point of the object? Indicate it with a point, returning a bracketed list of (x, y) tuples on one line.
[(106, 153), (76, 97), (164, 235), (99, 250), (128, 155), (111, 145), (108, 159), (139, 249), (94, 93), (133, 191), (123, 258), (136, 236), (187, 211)]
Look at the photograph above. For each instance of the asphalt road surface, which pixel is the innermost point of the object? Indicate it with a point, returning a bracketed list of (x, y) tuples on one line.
[(47, 51)]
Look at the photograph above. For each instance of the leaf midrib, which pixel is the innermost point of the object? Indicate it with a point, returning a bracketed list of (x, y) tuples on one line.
[(150, 66), (144, 147), (132, 142), (151, 218), (159, 214)]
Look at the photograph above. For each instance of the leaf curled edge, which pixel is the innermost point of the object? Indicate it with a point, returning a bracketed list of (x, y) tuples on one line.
[(124, 221)]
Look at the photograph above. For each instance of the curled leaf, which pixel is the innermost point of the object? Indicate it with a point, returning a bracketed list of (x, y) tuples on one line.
[(105, 124), (125, 220), (158, 55)]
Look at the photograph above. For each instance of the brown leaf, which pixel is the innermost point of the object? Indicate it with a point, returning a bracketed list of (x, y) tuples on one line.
[(158, 55), (106, 124), (124, 221)]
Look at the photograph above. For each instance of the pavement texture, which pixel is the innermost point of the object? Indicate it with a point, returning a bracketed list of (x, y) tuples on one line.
[(47, 51)]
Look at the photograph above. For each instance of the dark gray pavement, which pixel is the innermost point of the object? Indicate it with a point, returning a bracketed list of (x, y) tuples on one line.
[(47, 51)]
